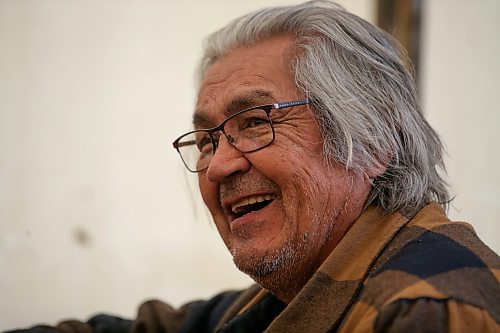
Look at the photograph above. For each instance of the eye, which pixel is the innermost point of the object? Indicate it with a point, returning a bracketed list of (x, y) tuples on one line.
[(204, 143), (253, 119), (253, 122)]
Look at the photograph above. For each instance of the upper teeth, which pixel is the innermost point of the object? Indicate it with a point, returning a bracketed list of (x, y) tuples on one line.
[(251, 200)]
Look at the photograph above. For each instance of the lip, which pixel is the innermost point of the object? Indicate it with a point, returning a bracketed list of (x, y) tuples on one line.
[(255, 217), (227, 204)]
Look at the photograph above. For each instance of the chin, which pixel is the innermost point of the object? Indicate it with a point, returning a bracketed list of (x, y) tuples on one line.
[(274, 266), (260, 265)]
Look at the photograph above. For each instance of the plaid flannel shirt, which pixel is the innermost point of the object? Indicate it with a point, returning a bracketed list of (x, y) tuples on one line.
[(389, 274)]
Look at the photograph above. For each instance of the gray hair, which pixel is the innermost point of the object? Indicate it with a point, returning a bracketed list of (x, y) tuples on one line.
[(365, 98)]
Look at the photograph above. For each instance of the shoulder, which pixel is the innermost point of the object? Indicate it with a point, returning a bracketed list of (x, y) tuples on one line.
[(152, 316), (435, 257), (434, 269), (197, 316)]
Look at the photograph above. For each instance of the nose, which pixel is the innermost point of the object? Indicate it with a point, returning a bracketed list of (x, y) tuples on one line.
[(226, 162)]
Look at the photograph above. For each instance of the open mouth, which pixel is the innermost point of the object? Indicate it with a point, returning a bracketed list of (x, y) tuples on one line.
[(251, 204)]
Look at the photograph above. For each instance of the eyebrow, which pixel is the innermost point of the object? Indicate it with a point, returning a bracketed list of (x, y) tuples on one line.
[(238, 103)]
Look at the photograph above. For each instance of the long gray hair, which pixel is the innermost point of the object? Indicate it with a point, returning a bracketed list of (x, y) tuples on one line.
[(364, 94)]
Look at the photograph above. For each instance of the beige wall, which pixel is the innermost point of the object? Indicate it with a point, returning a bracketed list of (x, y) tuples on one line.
[(460, 81), (96, 211)]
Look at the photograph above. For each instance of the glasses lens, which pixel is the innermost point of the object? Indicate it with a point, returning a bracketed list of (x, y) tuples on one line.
[(250, 130), (247, 131), (196, 150)]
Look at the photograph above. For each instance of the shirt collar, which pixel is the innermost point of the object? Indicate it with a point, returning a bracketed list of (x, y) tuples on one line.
[(333, 288)]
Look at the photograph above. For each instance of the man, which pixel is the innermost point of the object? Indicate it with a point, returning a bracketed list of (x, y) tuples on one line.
[(322, 177)]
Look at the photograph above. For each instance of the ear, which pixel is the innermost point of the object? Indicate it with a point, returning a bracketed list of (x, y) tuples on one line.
[(376, 170), (379, 167)]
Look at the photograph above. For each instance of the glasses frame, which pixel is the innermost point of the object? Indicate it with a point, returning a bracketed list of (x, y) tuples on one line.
[(267, 108)]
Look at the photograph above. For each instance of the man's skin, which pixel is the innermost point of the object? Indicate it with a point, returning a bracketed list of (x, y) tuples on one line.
[(313, 204)]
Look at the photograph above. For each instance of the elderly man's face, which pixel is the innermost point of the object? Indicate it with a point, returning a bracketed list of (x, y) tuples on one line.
[(305, 206)]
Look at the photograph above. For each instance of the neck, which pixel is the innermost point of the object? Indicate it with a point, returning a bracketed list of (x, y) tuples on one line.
[(286, 281)]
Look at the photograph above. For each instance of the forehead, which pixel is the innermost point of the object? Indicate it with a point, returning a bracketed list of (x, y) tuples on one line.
[(249, 75)]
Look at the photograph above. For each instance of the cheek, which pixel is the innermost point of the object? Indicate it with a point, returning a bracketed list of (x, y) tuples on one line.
[(313, 191), (307, 191), (298, 180), (209, 193)]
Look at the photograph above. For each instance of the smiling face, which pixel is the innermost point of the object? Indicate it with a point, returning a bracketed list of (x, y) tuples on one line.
[(280, 210)]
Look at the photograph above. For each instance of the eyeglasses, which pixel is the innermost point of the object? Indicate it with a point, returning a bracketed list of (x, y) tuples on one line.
[(248, 130)]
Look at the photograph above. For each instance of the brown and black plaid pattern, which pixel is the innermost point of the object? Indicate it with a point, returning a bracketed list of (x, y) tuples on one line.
[(391, 275)]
